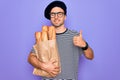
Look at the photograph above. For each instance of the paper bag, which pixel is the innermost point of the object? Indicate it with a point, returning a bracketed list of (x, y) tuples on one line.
[(46, 49)]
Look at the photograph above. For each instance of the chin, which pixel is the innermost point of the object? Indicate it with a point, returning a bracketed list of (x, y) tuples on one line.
[(57, 25)]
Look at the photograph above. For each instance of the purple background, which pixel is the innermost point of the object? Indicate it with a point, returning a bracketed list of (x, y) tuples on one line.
[(98, 19)]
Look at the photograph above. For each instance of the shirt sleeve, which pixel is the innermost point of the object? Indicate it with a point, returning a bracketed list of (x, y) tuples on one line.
[(32, 50)]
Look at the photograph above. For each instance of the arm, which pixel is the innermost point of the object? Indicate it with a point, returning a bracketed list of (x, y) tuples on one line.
[(80, 42), (88, 52), (48, 66), (32, 59)]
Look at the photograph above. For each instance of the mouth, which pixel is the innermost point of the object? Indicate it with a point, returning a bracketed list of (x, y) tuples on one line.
[(56, 21)]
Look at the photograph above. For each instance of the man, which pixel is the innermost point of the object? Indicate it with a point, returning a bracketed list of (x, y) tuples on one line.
[(70, 46)]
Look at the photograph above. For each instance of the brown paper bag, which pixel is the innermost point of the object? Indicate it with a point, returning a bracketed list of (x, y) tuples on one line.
[(46, 49)]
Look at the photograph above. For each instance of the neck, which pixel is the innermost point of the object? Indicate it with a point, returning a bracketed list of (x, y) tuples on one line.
[(60, 29)]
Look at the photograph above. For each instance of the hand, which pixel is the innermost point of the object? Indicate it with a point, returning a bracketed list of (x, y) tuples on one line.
[(51, 68), (79, 41)]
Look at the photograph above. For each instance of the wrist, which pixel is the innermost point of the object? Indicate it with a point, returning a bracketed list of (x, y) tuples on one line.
[(86, 46), (42, 66)]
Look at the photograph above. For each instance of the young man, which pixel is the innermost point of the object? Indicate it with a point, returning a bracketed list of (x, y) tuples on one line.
[(70, 46)]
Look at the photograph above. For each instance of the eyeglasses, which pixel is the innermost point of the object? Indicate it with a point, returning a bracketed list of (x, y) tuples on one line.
[(59, 14)]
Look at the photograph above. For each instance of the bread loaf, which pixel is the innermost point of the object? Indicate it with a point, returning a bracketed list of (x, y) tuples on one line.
[(44, 33), (45, 28), (44, 36), (38, 37), (52, 33)]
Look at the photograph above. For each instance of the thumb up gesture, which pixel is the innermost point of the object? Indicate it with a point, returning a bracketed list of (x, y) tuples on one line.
[(78, 40)]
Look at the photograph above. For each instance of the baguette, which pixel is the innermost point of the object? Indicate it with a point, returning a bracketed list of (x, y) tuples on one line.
[(38, 37), (52, 33), (45, 28), (44, 36), (53, 47), (44, 33)]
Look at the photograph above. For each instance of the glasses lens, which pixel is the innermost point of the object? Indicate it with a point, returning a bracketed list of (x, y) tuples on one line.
[(52, 14), (59, 14)]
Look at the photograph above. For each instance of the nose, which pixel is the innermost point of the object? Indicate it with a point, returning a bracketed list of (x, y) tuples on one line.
[(56, 16)]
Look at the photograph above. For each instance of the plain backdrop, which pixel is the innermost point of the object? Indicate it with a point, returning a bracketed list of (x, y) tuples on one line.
[(99, 21)]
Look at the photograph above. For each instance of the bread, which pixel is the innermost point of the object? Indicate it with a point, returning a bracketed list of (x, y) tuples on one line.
[(52, 33), (44, 36), (38, 37), (45, 28), (44, 33)]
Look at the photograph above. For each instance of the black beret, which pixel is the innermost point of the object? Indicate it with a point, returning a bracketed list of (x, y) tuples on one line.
[(52, 5)]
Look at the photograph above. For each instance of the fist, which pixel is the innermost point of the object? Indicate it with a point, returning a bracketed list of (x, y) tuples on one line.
[(79, 41)]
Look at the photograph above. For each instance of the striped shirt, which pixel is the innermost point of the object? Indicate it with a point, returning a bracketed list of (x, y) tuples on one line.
[(69, 56)]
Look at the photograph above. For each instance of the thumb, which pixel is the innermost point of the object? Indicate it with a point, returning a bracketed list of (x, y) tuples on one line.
[(80, 33)]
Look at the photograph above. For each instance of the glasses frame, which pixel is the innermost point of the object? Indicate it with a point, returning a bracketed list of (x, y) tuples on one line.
[(59, 14)]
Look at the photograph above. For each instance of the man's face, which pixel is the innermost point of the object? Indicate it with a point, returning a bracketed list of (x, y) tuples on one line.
[(57, 16)]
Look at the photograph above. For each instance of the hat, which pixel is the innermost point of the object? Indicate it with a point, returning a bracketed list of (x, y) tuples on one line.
[(52, 5)]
